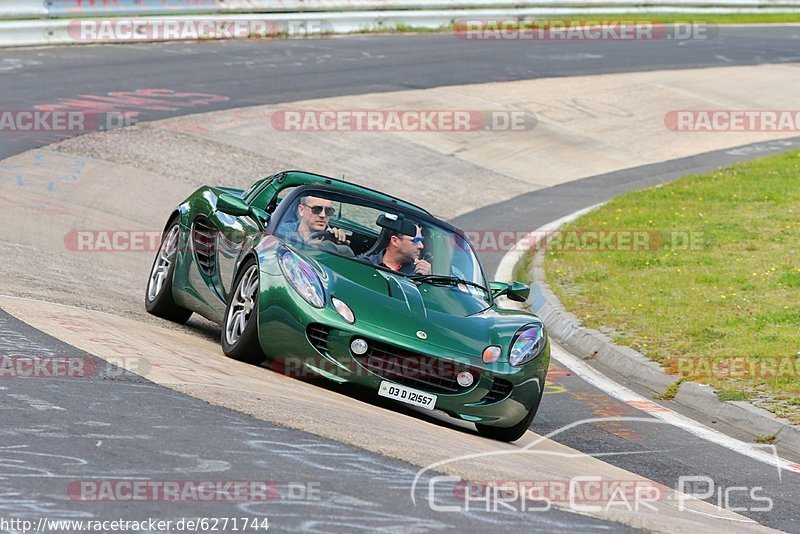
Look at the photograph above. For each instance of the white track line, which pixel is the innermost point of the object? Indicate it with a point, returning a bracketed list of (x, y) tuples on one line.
[(631, 398), (618, 391)]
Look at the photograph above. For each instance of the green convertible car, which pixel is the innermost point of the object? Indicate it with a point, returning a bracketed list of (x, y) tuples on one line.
[(314, 276)]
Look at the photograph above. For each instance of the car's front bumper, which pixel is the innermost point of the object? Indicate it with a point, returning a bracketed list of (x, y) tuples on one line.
[(297, 351)]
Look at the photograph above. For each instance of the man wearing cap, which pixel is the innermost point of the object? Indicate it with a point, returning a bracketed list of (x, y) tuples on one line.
[(405, 241)]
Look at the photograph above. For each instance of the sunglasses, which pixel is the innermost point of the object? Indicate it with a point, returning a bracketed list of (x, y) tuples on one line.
[(417, 240), (316, 210)]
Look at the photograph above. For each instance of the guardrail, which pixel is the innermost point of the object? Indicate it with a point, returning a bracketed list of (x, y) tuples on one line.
[(50, 22), (72, 8), (23, 9)]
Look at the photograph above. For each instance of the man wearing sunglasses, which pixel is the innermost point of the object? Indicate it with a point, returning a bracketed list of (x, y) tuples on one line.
[(402, 252), (315, 213)]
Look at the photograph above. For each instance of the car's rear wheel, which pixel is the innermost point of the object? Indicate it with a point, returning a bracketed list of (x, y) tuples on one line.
[(512, 433), (240, 324), (158, 296)]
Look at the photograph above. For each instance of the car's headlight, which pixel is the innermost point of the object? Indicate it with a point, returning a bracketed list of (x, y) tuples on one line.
[(302, 278), (528, 343)]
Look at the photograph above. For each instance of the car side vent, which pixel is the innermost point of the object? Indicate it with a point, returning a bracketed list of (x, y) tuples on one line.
[(318, 336), (500, 390), (204, 239)]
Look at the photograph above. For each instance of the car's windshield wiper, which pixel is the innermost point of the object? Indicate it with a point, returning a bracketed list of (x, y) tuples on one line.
[(444, 279)]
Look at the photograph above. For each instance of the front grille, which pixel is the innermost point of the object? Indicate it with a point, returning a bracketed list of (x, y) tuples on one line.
[(500, 390), (318, 336), (204, 239), (412, 369)]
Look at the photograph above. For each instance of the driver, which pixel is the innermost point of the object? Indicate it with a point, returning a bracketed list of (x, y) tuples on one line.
[(402, 251), (315, 213)]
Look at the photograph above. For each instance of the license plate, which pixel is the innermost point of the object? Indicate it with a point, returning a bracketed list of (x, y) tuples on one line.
[(409, 396)]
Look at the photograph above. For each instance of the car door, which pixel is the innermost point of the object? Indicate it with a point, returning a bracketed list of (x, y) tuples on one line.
[(234, 236)]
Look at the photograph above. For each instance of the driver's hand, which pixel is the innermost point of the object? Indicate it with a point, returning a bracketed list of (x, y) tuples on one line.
[(339, 234), (422, 267)]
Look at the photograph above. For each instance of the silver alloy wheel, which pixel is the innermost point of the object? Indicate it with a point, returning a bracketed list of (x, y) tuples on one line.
[(243, 301), (166, 255)]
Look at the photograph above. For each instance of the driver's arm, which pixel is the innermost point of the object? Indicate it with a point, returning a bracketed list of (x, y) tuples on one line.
[(339, 234)]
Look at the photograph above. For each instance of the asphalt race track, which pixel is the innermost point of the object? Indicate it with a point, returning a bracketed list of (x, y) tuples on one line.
[(309, 68), (57, 431)]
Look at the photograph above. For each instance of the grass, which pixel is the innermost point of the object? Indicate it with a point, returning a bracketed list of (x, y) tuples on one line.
[(714, 293), (672, 390), (522, 269), (597, 18), (731, 395), (766, 438), (698, 18)]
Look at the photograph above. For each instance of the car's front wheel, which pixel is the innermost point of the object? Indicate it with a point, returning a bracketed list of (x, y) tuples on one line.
[(512, 433), (240, 324), (158, 296)]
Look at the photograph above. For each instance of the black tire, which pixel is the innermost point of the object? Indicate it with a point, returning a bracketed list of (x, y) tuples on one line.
[(159, 300), (247, 347), (512, 433)]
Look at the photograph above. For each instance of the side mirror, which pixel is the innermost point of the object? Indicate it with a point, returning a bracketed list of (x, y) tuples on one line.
[(232, 205), (515, 291), (237, 207), (260, 216)]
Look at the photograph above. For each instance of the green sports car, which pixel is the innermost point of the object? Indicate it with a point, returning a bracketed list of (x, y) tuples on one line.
[(314, 276)]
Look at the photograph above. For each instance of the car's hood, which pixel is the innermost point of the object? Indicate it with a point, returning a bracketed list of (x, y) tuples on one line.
[(451, 318)]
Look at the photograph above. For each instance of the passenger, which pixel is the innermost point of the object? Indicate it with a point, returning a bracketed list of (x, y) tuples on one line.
[(402, 252)]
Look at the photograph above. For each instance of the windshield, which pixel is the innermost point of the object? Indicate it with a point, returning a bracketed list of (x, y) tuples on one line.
[(391, 239)]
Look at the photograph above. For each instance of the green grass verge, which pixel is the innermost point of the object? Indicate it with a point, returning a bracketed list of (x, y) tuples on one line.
[(672, 390), (714, 293), (522, 271), (710, 18), (766, 438), (666, 18)]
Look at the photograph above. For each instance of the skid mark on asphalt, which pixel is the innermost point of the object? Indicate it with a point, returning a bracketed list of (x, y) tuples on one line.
[(552, 385), (148, 99), (562, 381)]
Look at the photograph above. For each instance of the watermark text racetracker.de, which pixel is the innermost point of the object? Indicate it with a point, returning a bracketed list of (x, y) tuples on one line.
[(585, 240), (109, 490), (733, 120), (173, 29), (402, 120), (70, 367), (486, 241), (578, 30), (63, 121), (707, 367)]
